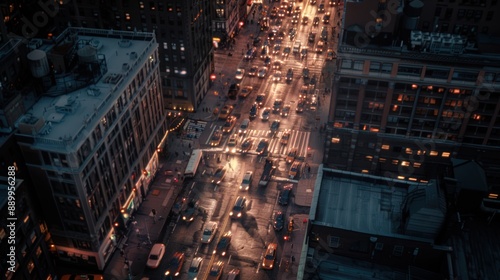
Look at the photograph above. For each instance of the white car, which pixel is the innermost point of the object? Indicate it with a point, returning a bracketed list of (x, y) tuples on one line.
[(239, 74), (209, 232), (195, 267), (247, 181), (155, 255), (262, 72), (277, 76)]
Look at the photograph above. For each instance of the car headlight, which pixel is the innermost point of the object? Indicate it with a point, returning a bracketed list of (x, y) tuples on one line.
[(177, 274), (167, 273), (230, 213), (184, 218), (223, 253), (239, 215)]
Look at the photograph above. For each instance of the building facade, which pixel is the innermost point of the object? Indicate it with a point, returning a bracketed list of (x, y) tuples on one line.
[(405, 100), (92, 139), (227, 20)]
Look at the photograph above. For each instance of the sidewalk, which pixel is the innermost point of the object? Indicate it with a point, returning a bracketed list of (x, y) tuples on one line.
[(292, 250)]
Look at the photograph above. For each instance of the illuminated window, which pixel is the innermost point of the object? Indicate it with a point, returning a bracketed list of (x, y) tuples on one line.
[(414, 86), (386, 147), (127, 16), (382, 159), (424, 181), (420, 152), (141, 5), (417, 164), (395, 161), (405, 163), (369, 158), (445, 154), (493, 196), (412, 179), (335, 140), (433, 153), (408, 151), (394, 108), (401, 177), (364, 171)]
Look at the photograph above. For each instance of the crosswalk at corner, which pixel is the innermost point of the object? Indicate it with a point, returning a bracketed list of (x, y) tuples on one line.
[(299, 140)]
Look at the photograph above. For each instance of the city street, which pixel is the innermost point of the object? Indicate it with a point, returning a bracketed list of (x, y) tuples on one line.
[(305, 99)]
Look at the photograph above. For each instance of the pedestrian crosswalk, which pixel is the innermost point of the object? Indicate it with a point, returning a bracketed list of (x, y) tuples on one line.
[(297, 140)]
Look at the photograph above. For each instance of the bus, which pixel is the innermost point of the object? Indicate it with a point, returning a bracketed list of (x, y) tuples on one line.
[(194, 162)]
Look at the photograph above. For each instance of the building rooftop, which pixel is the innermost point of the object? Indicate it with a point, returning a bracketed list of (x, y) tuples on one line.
[(362, 203), (58, 121)]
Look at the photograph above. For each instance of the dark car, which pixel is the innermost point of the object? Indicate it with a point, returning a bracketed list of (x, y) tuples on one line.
[(279, 221), (219, 175), (316, 21), (223, 245), (326, 18), (262, 146), (284, 195), (233, 91), (289, 75), (190, 212), (175, 264), (260, 99), (254, 111), (246, 145)]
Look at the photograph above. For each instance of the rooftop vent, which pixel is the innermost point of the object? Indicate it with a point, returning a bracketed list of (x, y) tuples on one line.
[(31, 125), (35, 43), (125, 67), (66, 104), (124, 43), (133, 55)]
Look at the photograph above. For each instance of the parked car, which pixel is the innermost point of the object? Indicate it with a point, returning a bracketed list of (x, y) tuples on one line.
[(175, 265), (284, 195), (278, 221), (155, 255), (270, 256), (209, 232)]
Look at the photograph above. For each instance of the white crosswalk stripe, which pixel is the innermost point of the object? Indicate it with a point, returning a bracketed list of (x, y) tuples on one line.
[(298, 140)]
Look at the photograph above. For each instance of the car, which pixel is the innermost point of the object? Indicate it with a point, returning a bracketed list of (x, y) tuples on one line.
[(285, 111), (281, 13), (269, 256), (312, 37), (209, 232), (284, 195), (223, 245), (330, 55), (295, 19), (290, 157), (229, 124), (276, 49), (278, 221), (219, 175), (82, 277), (276, 65), (239, 207), (245, 91), (231, 143), (253, 70), (281, 35), (277, 76), (254, 111), (305, 20), (332, 3), (326, 18), (278, 103), (313, 80), (244, 126), (266, 113), (195, 267), (314, 102), (289, 75), (260, 99), (303, 52), (292, 32), (262, 72), (246, 182), (305, 73), (233, 91), (275, 125), (216, 271), (286, 51), (319, 46), (295, 169), (301, 104), (216, 138), (264, 51), (239, 74), (262, 146), (233, 274), (226, 110), (267, 61), (175, 264), (155, 255), (298, 9), (191, 210), (324, 34), (251, 53), (321, 8), (316, 21), (313, 2), (246, 145), (285, 137)]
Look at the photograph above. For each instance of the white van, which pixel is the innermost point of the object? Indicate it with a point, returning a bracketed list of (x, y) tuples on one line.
[(244, 126)]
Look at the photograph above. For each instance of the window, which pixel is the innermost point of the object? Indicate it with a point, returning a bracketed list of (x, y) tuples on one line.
[(346, 64), (437, 73), (220, 13), (465, 76), (409, 70), (358, 65), (386, 147), (398, 250), (386, 68), (334, 241)]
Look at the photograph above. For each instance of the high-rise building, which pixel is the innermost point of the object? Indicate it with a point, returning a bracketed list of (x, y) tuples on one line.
[(416, 83), (183, 30), (228, 19), (91, 141)]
